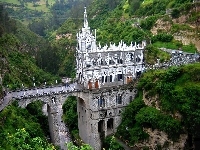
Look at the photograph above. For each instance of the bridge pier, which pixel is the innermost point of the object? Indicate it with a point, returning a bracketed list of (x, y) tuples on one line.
[(51, 124), (52, 107)]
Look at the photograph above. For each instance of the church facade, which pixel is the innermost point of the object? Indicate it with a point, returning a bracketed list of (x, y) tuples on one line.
[(102, 71)]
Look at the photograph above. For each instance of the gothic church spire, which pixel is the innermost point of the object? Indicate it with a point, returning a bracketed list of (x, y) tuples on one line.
[(85, 19)]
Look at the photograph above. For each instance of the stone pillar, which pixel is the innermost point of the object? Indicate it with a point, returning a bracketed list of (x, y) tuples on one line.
[(51, 124), (105, 126)]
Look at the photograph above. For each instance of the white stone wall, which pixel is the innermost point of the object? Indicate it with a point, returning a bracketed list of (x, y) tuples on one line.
[(94, 62)]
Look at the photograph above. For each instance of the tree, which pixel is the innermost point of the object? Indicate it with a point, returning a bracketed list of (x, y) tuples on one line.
[(70, 115), (70, 146), (47, 3), (134, 5), (110, 143), (175, 13), (22, 140)]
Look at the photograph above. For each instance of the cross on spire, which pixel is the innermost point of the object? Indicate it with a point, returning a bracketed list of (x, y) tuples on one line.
[(85, 19)]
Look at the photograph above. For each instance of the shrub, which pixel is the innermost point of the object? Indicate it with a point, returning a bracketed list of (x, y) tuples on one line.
[(175, 13), (149, 22), (163, 37), (111, 143)]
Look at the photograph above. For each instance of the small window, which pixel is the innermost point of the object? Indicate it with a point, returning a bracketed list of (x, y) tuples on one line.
[(110, 78), (101, 101), (102, 62), (120, 111), (106, 79), (119, 77), (102, 79), (119, 99)]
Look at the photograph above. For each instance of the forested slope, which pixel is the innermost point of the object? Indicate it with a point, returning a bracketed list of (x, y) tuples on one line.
[(18, 49), (151, 20), (18, 46), (22, 128), (165, 111)]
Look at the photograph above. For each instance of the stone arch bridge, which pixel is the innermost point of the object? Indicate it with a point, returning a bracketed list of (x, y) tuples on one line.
[(88, 108), (53, 98)]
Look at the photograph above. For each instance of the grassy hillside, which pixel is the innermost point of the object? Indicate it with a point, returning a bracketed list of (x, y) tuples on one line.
[(44, 16), (18, 50), (136, 20), (40, 5)]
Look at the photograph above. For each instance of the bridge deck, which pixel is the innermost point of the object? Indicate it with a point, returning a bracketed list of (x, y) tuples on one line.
[(36, 93)]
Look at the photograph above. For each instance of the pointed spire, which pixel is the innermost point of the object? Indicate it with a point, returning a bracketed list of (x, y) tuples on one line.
[(85, 19)]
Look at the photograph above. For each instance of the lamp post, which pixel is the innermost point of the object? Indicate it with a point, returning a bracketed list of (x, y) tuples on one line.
[(33, 81)]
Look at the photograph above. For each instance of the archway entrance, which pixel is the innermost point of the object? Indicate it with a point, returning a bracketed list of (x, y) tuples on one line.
[(101, 126), (110, 126)]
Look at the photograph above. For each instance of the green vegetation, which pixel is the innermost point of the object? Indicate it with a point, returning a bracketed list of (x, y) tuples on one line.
[(110, 143), (178, 92), (162, 37), (22, 140), (152, 54), (114, 32), (44, 16), (176, 45), (65, 47), (35, 109), (151, 117), (182, 27), (189, 48), (152, 8), (149, 22), (18, 48), (129, 130), (169, 45), (21, 130), (83, 147), (11, 1), (132, 20), (70, 116), (22, 68)]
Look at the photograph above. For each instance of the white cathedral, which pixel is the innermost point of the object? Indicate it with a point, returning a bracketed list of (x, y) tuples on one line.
[(104, 66), (103, 73)]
